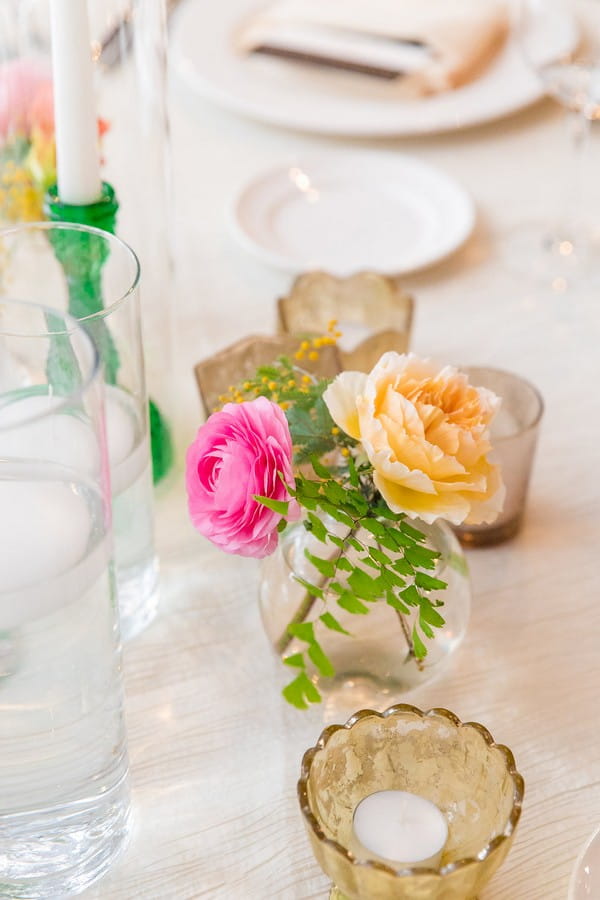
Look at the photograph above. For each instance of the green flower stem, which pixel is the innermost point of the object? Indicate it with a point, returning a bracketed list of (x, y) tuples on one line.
[(309, 599), (406, 632), (405, 629), (411, 650), (299, 616), (308, 602)]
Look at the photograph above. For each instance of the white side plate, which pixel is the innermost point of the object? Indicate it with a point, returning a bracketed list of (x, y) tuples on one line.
[(386, 212), (585, 880)]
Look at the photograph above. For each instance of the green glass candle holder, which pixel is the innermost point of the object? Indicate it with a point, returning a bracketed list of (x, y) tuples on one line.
[(81, 256), (101, 214)]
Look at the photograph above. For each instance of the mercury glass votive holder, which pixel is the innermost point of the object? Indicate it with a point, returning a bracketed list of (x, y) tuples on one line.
[(373, 313), (455, 765), (240, 360)]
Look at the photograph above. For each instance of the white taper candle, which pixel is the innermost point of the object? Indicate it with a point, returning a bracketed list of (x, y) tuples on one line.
[(77, 152)]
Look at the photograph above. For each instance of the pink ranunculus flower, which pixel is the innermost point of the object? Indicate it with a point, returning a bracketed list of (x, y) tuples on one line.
[(242, 451)]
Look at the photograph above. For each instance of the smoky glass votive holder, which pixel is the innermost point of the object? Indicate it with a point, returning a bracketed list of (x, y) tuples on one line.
[(514, 435)]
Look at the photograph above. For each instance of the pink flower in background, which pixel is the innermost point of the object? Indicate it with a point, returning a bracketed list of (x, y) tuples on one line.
[(25, 97), (242, 451), (27, 138), (41, 110)]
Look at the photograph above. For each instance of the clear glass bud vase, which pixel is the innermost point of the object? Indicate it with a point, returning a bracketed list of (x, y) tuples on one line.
[(375, 662)]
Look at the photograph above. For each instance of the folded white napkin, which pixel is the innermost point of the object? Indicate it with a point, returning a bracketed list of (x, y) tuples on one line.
[(440, 44)]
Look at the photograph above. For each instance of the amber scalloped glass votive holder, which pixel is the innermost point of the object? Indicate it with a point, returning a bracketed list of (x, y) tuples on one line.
[(455, 765)]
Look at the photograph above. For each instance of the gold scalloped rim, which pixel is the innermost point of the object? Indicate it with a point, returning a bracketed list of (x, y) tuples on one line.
[(401, 708)]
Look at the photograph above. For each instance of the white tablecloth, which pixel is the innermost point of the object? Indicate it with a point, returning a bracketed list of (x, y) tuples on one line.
[(215, 751)]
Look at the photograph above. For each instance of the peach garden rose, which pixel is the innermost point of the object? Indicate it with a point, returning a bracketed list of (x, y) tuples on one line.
[(425, 430)]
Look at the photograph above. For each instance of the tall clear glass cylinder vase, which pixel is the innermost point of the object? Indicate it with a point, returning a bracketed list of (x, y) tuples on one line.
[(128, 42), (64, 798), (95, 277)]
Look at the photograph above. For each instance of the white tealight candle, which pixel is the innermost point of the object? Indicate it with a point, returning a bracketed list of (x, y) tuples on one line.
[(76, 127), (399, 828)]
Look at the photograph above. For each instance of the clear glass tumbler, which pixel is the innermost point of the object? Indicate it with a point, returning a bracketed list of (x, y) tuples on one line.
[(514, 438), (64, 799), (95, 277), (560, 43)]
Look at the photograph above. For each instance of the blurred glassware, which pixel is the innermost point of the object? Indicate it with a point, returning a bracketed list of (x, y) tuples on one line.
[(557, 252), (128, 46), (63, 761), (65, 264)]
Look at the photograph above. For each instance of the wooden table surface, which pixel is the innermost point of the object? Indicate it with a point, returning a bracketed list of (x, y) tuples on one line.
[(215, 752)]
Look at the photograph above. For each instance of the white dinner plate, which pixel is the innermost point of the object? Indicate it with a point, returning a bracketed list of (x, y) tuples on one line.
[(386, 212), (585, 880), (307, 98)]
